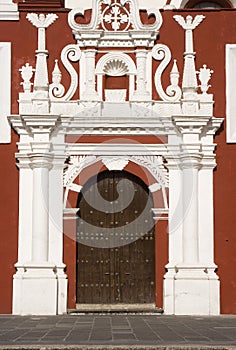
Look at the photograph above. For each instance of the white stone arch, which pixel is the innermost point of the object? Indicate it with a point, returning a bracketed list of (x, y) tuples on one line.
[(154, 164), (115, 64)]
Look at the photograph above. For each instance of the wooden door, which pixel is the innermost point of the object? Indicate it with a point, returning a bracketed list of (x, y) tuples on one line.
[(115, 235)]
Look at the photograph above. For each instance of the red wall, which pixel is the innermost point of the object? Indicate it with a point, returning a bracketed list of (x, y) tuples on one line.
[(214, 32)]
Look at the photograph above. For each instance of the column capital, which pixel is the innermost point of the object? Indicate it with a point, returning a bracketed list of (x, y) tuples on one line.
[(191, 124), (141, 52), (35, 124), (23, 161), (40, 160), (58, 161), (190, 160)]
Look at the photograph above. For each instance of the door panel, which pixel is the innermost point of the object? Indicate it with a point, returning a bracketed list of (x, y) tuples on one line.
[(115, 235)]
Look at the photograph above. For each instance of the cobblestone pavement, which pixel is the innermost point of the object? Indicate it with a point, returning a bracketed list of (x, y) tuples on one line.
[(131, 330)]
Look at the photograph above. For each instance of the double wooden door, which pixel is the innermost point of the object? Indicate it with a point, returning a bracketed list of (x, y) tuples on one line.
[(115, 241)]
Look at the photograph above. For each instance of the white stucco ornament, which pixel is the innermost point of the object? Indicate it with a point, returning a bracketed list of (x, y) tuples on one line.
[(118, 19), (181, 158)]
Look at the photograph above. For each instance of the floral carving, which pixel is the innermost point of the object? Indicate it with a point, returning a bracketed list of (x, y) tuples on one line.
[(204, 76), (41, 21), (116, 15), (26, 74)]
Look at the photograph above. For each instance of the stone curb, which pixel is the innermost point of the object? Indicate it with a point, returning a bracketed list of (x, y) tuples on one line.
[(115, 347)]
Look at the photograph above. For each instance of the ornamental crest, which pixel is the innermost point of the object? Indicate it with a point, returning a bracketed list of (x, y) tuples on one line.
[(115, 16)]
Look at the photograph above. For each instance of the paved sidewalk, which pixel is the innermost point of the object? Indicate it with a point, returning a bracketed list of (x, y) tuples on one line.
[(118, 332)]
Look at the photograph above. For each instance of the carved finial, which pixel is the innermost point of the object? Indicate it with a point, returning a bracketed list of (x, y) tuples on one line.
[(174, 74), (41, 74), (26, 74), (190, 23), (56, 89), (41, 21), (204, 75), (56, 74), (189, 83)]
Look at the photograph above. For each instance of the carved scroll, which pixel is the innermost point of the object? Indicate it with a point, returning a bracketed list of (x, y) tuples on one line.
[(56, 90), (173, 92)]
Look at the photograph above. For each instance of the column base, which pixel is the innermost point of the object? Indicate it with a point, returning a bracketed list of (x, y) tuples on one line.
[(39, 290), (191, 291)]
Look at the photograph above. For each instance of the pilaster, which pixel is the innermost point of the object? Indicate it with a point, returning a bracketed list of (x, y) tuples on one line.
[(141, 93), (191, 286), (40, 284), (90, 93)]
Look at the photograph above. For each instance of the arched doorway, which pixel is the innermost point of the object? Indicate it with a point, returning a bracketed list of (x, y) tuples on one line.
[(115, 241)]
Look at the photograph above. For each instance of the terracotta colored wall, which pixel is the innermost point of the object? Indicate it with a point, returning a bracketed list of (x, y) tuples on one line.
[(9, 220), (217, 29), (23, 38)]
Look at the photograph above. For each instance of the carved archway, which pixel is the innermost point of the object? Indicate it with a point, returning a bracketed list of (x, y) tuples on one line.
[(154, 164)]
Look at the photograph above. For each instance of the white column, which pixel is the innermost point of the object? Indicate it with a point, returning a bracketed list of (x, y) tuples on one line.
[(141, 93), (195, 290), (40, 165), (175, 214), (35, 285), (206, 219), (206, 232), (25, 207), (56, 223), (190, 165), (90, 93), (175, 249)]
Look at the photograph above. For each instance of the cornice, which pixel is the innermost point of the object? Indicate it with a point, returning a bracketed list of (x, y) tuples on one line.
[(129, 39), (34, 124)]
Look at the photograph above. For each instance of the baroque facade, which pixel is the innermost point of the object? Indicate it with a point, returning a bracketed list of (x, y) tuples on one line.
[(115, 114)]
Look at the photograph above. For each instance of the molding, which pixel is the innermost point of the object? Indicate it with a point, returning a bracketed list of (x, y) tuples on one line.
[(160, 214), (109, 149), (230, 67), (35, 124), (38, 5), (8, 11), (5, 87)]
